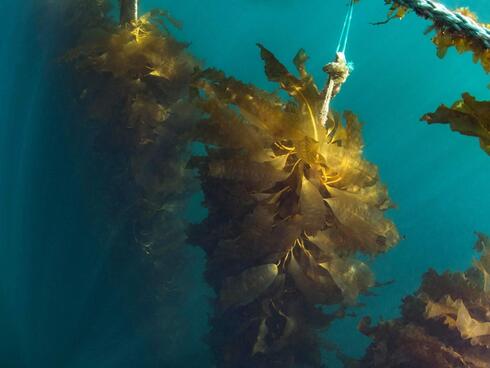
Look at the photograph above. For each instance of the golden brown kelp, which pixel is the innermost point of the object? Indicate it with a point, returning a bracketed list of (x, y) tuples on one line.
[(290, 205), (446, 323), (134, 81), (467, 116), (446, 38), (448, 35)]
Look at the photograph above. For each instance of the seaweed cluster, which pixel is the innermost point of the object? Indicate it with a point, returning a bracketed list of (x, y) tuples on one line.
[(290, 204), (134, 82), (446, 37), (445, 324), (294, 210), (466, 116)]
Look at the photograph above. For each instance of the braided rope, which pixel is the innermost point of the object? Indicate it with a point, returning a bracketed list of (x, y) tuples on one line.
[(450, 19)]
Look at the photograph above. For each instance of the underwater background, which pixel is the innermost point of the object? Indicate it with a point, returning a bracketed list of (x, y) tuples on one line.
[(65, 302)]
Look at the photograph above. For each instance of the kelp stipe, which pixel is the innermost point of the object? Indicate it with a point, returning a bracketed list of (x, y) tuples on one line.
[(289, 209), (445, 324), (134, 81)]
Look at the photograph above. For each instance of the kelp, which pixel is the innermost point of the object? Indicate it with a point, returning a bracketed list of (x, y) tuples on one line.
[(466, 116), (133, 81), (397, 10), (446, 323), (446, 37), (290, 205), (76, 16)]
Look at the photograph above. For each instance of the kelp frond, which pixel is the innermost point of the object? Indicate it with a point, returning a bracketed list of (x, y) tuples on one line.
[(290, 204), (466, 116), (447, 36), (446, 323), (396, 9), (134, 81)]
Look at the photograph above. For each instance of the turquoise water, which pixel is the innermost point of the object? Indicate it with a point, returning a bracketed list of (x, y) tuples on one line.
[(64, 302)]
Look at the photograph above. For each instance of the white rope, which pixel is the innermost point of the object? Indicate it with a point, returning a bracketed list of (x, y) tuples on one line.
[(128, 11), (351, 10), (326, 103), (338, 70), (344, 26)]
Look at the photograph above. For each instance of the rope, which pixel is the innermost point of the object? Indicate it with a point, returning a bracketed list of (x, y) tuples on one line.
[(326, 105), (128, 11), (337, 70), (351, 11), (450, 19), (345, 28)]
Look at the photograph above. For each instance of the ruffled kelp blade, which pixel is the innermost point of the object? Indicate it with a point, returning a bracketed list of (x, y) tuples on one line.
[(446, 323), (446, 38), (466, 116)]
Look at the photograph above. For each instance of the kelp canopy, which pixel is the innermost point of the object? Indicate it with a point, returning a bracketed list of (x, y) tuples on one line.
[(290, 206), (134, 82), (445, 324)]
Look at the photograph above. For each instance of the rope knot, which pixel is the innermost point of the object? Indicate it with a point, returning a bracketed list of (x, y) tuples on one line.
[(338, 71)]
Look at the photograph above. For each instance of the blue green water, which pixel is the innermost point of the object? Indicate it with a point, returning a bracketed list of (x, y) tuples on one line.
[(61, 302)]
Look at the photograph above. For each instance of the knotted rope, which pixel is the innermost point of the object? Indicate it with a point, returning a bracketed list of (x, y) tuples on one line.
[(338, 70)]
